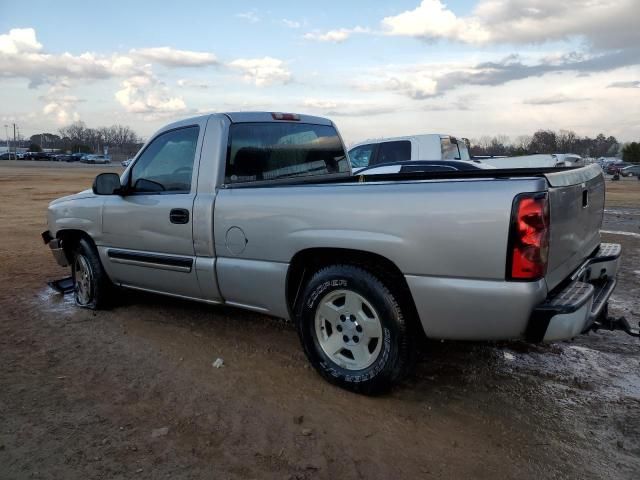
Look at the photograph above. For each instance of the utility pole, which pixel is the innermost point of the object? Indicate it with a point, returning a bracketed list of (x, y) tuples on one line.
[(14, 143), (6, 135)]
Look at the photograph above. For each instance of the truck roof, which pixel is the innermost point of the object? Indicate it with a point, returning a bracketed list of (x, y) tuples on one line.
[(247, 117)]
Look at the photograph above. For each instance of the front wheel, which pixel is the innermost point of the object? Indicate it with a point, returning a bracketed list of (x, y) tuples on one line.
[(354, 330), (92, 287)]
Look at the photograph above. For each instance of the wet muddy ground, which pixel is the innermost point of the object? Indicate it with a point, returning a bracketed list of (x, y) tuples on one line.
[(132, 392)]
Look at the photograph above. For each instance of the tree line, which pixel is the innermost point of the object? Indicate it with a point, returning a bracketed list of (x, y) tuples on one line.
[(122, 141), (562, 141), (119, 140)]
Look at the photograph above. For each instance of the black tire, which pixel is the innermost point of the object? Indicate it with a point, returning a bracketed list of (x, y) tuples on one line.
[(397, 352), (99, 289)]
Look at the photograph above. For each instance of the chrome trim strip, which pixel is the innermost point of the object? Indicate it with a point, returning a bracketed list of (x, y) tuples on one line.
[(173, 263), (145, 263)]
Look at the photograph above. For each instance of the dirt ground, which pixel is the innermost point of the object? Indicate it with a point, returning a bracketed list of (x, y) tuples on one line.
[(131, 392)]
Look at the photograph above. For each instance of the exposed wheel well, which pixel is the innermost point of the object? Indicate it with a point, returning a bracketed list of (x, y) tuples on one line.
[(306, 262), (70, 239)]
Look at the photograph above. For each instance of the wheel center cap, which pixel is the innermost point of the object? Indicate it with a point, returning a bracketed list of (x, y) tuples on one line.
[(350, 329)]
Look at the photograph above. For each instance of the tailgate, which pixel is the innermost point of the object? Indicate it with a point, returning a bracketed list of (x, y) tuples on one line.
[(576, 201)]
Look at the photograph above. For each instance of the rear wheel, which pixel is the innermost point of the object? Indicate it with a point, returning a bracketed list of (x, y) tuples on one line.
[(92, 287), (354, 330)]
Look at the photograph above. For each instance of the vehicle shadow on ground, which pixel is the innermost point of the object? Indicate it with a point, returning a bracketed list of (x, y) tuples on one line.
[(440, 365)]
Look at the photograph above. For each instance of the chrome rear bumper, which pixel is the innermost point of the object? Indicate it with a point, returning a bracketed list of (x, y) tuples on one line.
[(572, 309)]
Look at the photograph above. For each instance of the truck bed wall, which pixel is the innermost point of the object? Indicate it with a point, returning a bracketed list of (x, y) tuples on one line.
[(429, 229)]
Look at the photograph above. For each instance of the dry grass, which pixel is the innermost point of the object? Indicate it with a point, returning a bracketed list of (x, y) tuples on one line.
[(625, 193)]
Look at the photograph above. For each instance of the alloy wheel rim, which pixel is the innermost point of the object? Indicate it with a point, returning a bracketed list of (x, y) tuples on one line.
[(348, 329), (82, 280)]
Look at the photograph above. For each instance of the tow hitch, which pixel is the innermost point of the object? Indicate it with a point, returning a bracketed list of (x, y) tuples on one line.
[(613, 323)]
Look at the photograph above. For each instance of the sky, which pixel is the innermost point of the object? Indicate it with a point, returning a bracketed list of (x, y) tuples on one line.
[(378, 69)]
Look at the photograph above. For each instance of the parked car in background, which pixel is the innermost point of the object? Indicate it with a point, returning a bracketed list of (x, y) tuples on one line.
[(260, 211), (37, 156), (630, 170), (101, 159), (7, 156), (76, 157), (614, 168), (413, 147)]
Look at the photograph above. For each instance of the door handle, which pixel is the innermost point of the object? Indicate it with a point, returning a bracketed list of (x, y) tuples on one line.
[(179, 215)]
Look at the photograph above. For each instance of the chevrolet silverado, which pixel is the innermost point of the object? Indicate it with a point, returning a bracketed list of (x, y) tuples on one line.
[(261, 211)]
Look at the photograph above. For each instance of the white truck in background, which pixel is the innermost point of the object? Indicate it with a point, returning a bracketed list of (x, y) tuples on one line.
[(437, 147), (431, 146)]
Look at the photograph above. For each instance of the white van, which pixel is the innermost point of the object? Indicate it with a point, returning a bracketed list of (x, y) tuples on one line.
[(414, 147)]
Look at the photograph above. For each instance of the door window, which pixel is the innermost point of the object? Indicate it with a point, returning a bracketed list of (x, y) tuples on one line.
[(166, 165), (391, 152), (361, 156)]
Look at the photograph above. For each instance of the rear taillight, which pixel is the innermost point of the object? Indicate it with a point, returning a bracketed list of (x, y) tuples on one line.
[(529, 237)]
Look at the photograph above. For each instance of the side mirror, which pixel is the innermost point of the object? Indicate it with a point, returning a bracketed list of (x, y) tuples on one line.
[(106, 184)]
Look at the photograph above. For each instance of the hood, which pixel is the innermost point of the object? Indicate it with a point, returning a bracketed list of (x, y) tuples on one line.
[(76, 196)]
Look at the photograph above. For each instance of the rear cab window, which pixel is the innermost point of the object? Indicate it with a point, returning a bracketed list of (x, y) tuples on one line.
[(277, 150)]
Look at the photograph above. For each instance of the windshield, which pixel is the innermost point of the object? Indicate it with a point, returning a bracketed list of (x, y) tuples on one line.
[(463, 147)]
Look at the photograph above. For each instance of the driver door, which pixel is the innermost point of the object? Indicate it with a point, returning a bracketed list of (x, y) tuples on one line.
[(147, 233)]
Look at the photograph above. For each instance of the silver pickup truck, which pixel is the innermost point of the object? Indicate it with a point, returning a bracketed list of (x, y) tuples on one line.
[(261, 211)]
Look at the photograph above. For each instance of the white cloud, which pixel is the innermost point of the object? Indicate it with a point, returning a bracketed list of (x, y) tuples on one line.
[(193, 83), (418, 85), (318, 104), (335, 36), (629, 84), (432, 20), (21, 56), (19, 40), (59, 104), (291, 23), (145, 94), (172, 57), (420, 81), (553, 99), (349, 108), (604, 23), (262, 71), (251, 16), (415, 82)]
